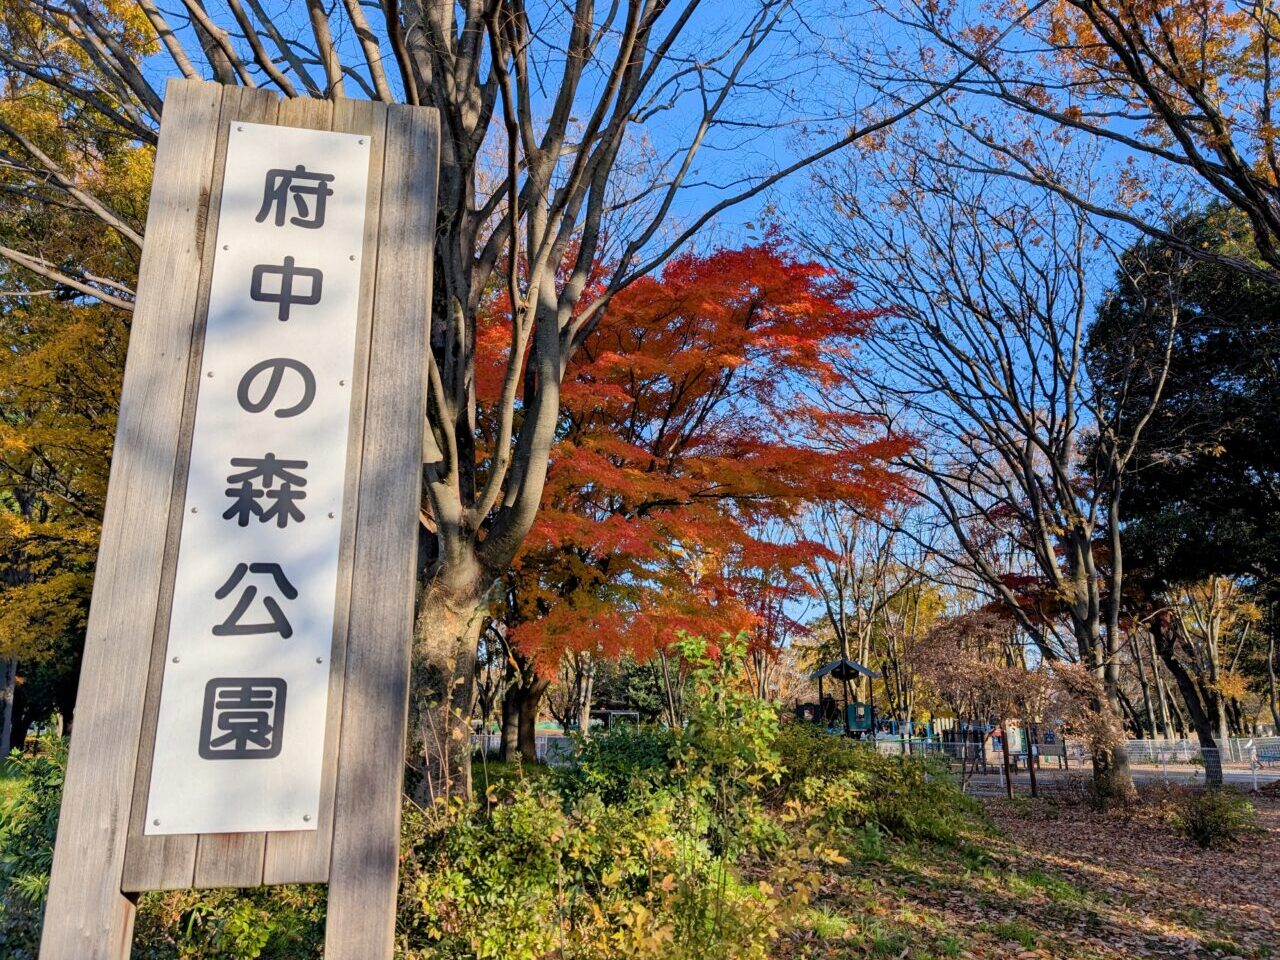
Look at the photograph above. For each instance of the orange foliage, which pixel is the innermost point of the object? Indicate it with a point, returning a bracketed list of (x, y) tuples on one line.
[(690, 420)]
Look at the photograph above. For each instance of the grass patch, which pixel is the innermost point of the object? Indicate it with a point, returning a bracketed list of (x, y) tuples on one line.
[(1030, 883), (949, 947), (499, 778), (1021, 933), (828, 924)]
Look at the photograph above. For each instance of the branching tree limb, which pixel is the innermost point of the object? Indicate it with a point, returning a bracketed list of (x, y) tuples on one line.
[(602, 119)]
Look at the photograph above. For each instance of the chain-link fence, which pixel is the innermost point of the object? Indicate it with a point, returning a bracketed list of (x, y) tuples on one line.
[(1250, 762), (1236, 750)]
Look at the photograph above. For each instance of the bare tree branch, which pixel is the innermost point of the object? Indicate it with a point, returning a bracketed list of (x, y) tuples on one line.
[(82, 284)]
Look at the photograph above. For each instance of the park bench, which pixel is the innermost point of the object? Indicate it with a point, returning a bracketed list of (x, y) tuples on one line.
[(1268, 755)]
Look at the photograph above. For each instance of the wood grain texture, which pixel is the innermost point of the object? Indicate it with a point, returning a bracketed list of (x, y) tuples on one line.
[(302, 856), (168, 862), (363, 873), (87, 915)]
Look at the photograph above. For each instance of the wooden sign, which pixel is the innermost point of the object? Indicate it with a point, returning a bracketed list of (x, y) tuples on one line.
[(241, 712)]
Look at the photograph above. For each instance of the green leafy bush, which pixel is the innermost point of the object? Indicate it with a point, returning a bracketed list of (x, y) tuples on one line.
[(644, 849), (281, 923), (272, 923), (1213, 818), (910, 798), (530, 879), (618, 763), (28, 824)]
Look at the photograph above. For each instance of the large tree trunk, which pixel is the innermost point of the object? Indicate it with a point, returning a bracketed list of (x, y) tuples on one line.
[(584, 699), (520, 706), (1111, 772), (530, 704), (6, 699), (510, 740), (1111, 775), (1098, 644), (446, 634)]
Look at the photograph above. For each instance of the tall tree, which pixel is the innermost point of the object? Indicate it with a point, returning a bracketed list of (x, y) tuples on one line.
[(1205, 495), (1202, 502), (63, 335), (690, 425), (982, 360), (565, 96)]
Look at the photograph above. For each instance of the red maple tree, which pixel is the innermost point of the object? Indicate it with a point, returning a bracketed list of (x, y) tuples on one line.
[(692, 419)]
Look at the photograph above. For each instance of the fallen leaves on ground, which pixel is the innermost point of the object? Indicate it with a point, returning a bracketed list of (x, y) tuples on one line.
[(1057, 880)]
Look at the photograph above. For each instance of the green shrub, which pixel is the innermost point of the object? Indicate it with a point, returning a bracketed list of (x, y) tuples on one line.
[(725, 754), (651, 846), (709, 841), (28, 823), (1213, 818), (911, 798), (617, 763), (529, 879), (271, 923), (282, 923)]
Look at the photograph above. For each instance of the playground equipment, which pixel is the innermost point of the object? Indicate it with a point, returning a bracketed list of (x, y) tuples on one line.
[(859, 719)]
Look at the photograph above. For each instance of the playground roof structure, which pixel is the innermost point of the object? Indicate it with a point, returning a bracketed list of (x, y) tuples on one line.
[(843, 669)]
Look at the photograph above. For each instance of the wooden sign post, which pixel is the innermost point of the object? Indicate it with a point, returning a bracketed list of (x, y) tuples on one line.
[(241, 713)]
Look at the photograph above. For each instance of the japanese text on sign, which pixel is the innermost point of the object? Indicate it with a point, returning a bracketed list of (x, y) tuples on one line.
[(241, 727)]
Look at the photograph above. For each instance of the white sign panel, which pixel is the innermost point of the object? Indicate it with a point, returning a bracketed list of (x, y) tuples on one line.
[(241, 729)]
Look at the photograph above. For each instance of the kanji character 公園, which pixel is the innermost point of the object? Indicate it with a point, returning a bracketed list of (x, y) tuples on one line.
[(243, 718)]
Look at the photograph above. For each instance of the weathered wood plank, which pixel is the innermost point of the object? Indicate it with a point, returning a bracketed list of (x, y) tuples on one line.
[(168, 862), (239, 859), (229, 860), (87, 916), (305, 112), (302, 856), (363, 874)]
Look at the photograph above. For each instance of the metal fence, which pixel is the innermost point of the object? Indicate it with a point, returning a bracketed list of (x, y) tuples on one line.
[(551, 747), (1242, 760), (986, 753), (1235, 751)]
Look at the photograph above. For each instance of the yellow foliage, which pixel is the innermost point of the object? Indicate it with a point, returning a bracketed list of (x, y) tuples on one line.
[(1233, 686)]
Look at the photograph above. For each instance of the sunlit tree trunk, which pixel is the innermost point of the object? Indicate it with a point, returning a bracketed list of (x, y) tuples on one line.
[(584, 698), (1162, 694), (1272, 700), (1004, 758)]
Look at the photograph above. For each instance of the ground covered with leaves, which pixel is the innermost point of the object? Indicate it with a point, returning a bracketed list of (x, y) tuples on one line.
[(1054, 879)]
